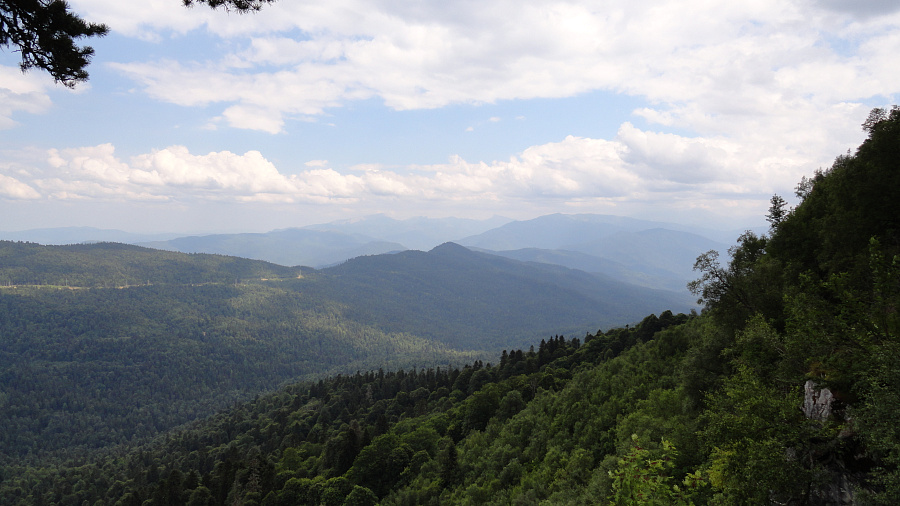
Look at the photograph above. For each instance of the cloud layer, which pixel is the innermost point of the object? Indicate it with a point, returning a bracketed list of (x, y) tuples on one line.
[(739, 99), (21, 92), (667, 171), (710, 66)]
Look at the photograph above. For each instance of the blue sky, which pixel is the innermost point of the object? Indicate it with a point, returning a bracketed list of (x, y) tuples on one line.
[(194, 120)]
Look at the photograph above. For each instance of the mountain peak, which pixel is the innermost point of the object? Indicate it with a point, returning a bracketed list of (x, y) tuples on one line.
[(450, 248)]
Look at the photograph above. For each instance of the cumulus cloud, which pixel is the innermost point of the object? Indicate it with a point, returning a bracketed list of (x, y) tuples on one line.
[(675, 158), (14, 189), (740, 97), (763, 89), (20, 92), (635, 166)]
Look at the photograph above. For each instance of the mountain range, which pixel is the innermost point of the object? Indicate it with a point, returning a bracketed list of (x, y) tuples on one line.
[(182, 335), (646, 253)]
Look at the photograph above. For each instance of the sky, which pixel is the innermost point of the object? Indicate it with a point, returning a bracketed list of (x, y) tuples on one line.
[(199, 120)]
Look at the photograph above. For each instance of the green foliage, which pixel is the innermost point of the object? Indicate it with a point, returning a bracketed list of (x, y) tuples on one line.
[(45, 34), (86, 368), (876, 418), (642, 477), (750, 284), (845, 206), (754, 433)]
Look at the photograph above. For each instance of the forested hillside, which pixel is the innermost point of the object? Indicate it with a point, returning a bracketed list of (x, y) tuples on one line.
[(471, 300), (120, 265), (89, 368), (105, 344), (785, 390)]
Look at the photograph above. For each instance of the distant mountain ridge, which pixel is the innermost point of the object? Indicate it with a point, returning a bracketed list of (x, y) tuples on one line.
[(646, 253), (415, 233), (622, 248), (493, 301), (79, 235), (293, 246)]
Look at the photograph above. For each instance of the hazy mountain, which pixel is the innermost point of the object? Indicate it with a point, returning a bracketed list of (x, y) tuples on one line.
[(415, 233), (786, 390), (637, 275), (655, 252), (330, 243), (473, 300), (635, 251), (77, 235), (291, 246), (554, 231), (560, 231)]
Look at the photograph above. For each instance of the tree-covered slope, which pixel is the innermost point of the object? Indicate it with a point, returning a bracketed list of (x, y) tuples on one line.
[(113, 264), (107, 343), (178, 337), (472, 300), (403, 437), (89, 368)]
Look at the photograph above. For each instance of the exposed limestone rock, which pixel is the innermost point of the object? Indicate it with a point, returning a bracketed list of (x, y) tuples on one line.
[(817, 402)]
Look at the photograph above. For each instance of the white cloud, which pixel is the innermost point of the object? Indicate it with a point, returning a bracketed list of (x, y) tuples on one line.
[(14, 189), (777, 81), (742, 97), (636, 166), (145, 19), (21, 92), (675, 158), (254, 118)]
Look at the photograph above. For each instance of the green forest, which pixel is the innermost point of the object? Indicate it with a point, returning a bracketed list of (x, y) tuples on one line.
[(109, 344), (785, 389)]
